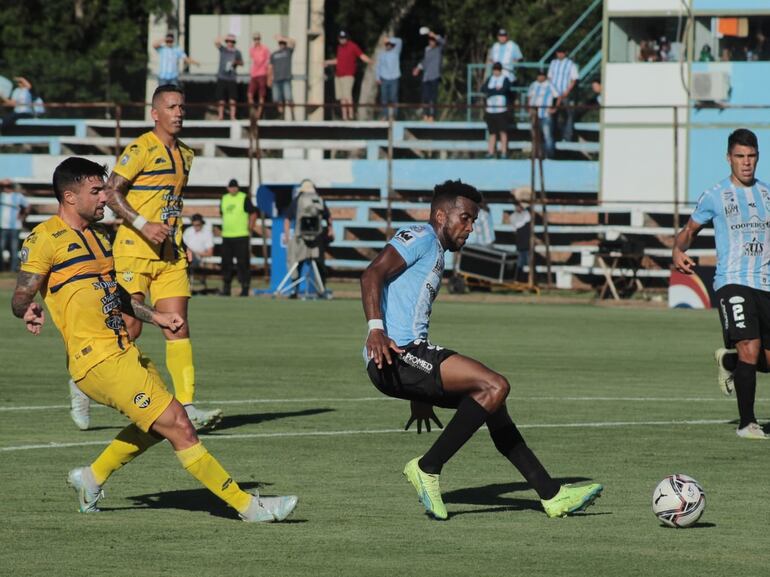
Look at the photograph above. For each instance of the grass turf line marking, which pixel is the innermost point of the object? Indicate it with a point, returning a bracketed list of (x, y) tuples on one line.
[(214, 437), (383, 398)]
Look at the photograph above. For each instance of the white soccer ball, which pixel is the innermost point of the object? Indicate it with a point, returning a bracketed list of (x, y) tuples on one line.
[(678, 501)]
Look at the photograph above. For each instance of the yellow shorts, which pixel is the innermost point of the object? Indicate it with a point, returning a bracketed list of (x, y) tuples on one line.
[(159, 278), (129, 383)]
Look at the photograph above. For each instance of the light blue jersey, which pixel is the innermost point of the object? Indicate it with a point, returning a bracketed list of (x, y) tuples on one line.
[(741, 217), (407, 299)]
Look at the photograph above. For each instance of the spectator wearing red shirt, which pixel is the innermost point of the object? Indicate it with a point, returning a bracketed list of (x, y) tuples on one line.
[(260, 58), (348, 54)]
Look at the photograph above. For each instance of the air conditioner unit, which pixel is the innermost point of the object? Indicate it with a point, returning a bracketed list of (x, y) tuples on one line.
[(710, 86)]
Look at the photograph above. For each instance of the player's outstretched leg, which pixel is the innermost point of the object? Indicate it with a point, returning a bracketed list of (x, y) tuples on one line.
[(558, 501), (726, 360), (80, 406)]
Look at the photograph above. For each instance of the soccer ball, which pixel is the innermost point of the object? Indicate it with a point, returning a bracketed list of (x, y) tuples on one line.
[(678, 501)]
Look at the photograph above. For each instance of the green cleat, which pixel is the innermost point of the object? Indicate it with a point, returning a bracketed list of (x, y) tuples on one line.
[(427, 487), (571, 499)]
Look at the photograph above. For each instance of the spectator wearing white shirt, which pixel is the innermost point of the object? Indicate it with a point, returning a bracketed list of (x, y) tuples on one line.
[(199, 241), (521, 223), (14, 208), (563, 74), (506, 52), (540, 99), (21, 100), (497, 89), (169, 55)]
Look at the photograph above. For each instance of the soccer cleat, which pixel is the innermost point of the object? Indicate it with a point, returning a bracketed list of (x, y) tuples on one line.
[(203, 420), (269, 509), (427, 487), (80, 406), (751, 431), (571, 499), (724, 377), (89, 493)]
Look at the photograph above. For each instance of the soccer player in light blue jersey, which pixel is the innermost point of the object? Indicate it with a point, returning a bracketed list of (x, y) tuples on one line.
[(398, 289), (739, 207)]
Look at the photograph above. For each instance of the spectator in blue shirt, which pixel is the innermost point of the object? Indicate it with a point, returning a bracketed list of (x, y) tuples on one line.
[(540, 98), (14, 208), (21, 100), (388, 73), (170, 54), (563, 74)]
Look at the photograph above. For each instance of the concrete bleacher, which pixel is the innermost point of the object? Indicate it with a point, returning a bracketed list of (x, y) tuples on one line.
[(348, 162)]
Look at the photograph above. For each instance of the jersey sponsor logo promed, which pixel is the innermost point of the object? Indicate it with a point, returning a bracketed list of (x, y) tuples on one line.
[(417, 362)]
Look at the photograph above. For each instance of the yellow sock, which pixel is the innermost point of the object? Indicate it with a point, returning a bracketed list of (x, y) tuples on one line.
[(129, 444), (204, 467), (179, 362)]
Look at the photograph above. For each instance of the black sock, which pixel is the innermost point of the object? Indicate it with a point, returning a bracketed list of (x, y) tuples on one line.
[(466, 421), (745, 378), (729, 361), (761, 364), (512, 446)]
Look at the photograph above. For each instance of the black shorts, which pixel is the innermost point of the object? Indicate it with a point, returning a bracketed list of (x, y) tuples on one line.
[(497, 123), (745, 314), (227, 90), (415, 375)]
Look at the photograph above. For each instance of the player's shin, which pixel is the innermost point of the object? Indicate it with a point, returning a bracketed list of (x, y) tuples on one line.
[(469, 417), (129, 444), (512, 446), (745, 377), (204, 467), (179, 362)]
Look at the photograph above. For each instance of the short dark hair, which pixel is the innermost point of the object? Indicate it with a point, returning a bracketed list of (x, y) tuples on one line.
[(450, 190), (742, 136), (73, 170), (163, 88)]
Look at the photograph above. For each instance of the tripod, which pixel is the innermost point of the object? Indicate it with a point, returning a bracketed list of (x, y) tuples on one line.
[(284, 288)]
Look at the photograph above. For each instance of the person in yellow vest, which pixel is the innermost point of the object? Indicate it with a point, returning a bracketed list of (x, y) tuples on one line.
[(145, 190), (238, 219)]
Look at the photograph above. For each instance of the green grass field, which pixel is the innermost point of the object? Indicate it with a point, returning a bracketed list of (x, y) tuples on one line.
[(622, 396)]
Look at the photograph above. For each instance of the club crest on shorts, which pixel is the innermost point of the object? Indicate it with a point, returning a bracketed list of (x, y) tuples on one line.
[(141, 400)]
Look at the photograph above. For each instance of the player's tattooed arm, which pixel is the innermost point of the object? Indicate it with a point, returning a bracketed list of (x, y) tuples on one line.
[(117, 188), (23, 302), (147, 314)]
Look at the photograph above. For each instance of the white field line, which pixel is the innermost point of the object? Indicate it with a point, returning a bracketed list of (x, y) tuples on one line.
[(384, 398), (226, 437)]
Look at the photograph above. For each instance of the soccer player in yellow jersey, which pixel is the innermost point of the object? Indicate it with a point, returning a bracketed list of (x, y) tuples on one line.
[(70, 263), (145, 190)]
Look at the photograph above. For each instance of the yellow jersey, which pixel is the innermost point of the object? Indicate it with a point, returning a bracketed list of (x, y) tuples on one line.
[(158, 176), (80, 291)]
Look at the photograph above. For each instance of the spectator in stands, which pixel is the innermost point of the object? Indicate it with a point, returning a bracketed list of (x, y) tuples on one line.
[(521, 223), (346, 61), (540, 99), (169, 55), (21, 100), (430, 66), (665, 53), (705, 54), (199, 243), (483, 232), (280, 72), (260, 60), (388, 73), (563, 74), (230, 59), (14, 208), (506, 52), (762, 47), (238, 218), (647, 51), (497, 89)]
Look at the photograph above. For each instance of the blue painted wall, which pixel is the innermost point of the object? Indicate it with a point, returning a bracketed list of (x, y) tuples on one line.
[(731, 6)]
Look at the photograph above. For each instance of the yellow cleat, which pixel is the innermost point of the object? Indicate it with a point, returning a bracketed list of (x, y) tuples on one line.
[(571, 499), (428, 490)]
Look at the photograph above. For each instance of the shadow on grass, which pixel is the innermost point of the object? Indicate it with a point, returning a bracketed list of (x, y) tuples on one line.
[(195, 500), (696, 526), (233, 421), (493, 498)]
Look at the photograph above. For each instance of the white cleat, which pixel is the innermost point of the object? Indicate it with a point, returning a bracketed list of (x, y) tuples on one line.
[(81, 479), (80, 406), (269, 509), (751, 431), (724, 377), (203, 420)]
